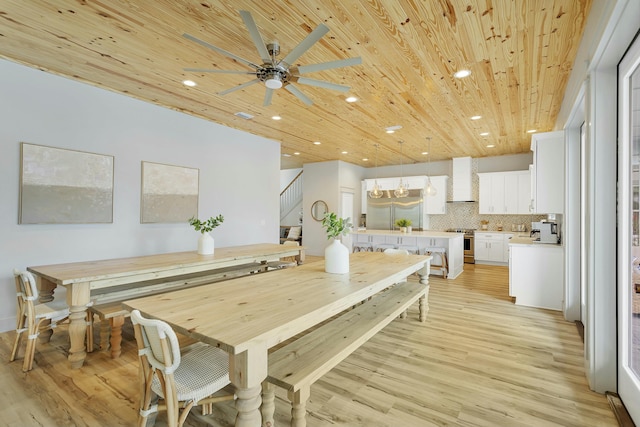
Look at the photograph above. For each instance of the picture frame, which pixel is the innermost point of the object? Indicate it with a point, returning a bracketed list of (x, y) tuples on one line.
[(63, 186), (169, 193)]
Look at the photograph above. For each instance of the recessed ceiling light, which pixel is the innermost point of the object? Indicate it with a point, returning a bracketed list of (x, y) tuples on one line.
[(424, 153), (490, 145), (484, 134), (351, 99), (476, 117), (460, 74), (531, 131), (345, 152), (189, 83), (392, 129), (276, 117), (365, 160), (296, 153), (317, 143), (286, 155)]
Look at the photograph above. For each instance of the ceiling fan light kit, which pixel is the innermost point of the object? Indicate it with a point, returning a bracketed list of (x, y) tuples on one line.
[(275, 73)]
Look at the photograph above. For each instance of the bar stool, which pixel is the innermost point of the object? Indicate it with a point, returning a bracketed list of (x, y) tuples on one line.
[(412, 249), (442, 253), (380, 247), (362, 247)]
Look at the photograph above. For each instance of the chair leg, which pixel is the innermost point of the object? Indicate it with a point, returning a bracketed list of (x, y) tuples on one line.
[(16, 345)]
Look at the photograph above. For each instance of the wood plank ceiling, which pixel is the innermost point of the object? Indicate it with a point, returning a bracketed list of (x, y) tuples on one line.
[(520, 54)]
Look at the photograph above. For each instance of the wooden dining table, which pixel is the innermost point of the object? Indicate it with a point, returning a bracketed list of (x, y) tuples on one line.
[(249, 315), (81, 278)]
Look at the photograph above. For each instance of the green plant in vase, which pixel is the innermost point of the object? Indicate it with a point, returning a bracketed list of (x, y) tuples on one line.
[(206, 242), (404, 224), (336, 255)]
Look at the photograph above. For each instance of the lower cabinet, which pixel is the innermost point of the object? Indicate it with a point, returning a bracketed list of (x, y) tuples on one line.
[(490, 247), (536, 275)]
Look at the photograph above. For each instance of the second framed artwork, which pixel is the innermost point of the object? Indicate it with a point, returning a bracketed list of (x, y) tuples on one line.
[(169, 193)]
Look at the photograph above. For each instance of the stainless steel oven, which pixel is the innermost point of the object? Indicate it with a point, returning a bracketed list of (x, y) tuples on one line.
[(469, 244)]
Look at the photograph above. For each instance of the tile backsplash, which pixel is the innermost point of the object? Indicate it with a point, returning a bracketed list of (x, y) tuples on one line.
[(466, 215)]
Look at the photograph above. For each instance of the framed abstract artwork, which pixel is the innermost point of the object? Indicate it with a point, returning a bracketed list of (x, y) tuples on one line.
[(61, 186), (169, 193)]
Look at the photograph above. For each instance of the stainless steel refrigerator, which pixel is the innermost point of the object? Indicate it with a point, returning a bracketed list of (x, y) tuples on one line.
[(382, 213)]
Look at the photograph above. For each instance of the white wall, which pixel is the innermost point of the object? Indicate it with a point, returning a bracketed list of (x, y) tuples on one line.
[(239, 174)]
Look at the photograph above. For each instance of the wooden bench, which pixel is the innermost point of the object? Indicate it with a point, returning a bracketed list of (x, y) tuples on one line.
[(107, 306), (297, 365)]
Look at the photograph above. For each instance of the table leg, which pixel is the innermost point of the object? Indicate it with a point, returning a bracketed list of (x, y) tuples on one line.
[(77, 299), (247, 371), (424, 273)]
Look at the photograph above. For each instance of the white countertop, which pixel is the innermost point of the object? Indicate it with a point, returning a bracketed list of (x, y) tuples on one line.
[(518, 233), (528, 241), (425, 233)]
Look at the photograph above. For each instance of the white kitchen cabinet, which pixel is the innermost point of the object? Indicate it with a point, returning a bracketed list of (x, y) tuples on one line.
[(548, 172), (402, 240), (491, 193), (536, 275), (437, 205), (505, 254), (489, 247), (505, 192), (517, 192)]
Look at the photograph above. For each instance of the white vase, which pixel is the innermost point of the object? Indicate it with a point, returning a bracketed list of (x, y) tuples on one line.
[(409, 229), (336, 258), (205, 244)]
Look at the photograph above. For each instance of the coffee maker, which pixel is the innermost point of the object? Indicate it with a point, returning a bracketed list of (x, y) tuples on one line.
[(545, 232)]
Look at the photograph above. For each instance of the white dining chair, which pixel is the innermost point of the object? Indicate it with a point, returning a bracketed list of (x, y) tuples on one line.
[(182, 379)]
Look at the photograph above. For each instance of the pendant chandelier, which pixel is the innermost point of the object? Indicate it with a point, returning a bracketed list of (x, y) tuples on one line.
[(376, 192), (429, 190), (402, 190)]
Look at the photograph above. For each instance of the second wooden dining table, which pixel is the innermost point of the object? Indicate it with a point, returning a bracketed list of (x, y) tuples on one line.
[(249, 315)]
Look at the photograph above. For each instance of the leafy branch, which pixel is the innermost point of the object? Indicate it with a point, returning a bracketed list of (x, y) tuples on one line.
[(207, 225), (335, 226)]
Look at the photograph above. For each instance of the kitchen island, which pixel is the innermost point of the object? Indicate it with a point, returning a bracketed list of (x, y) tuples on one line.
[(453, 243), (536, 273)]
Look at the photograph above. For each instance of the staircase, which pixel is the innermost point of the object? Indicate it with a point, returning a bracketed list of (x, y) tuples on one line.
[(291, 196)]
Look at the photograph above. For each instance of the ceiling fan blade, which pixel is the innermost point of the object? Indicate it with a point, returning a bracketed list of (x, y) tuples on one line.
[(329, 65), (242, 86), (267, 97), (255, 36), (220, 50), (323, 84), (301, 96), (206, 70), (305, 44)]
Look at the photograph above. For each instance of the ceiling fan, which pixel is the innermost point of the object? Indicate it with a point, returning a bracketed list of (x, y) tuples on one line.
[(275, 73)]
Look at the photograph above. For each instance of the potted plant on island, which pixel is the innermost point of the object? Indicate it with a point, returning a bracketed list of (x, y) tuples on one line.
[(206, 242), (336, 255), (404, 224)]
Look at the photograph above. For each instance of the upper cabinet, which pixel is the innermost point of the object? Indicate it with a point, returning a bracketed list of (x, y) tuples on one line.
[(505, 192), (547, 173)]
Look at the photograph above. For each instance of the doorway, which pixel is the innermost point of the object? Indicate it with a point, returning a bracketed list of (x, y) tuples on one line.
[(628, 283)]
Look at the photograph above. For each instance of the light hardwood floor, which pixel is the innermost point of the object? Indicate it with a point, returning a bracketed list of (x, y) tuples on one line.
[(479, 360)]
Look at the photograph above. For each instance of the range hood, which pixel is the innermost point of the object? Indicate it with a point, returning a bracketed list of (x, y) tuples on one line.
[(461, 180)]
